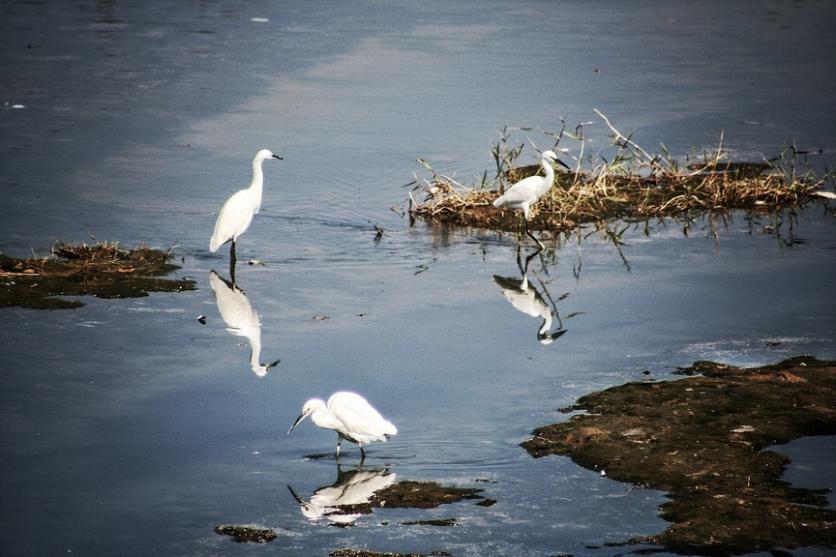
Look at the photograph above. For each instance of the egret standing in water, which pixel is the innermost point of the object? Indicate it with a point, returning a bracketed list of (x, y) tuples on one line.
[(237, 213), (525, 193), (351, 416)]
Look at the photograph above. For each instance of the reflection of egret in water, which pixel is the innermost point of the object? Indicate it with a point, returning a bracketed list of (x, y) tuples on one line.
[(527, 299), (240, 318), (344, 501)]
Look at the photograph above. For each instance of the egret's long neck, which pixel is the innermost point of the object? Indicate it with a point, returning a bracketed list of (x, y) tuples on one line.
[(547, 168), (257, 185)]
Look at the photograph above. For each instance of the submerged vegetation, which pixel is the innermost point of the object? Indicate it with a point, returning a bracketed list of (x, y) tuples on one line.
[(628, 183), (702, 439), (104, 270)]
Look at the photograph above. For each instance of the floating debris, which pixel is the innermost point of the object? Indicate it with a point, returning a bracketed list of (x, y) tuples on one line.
[(201, 319), (702, 439), (378, 233)]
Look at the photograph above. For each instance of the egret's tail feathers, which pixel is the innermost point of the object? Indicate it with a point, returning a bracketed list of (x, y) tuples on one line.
[(214, 244), (390, 430)]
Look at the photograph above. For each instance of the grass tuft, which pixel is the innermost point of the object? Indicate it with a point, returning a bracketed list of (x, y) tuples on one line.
[(628, 184)]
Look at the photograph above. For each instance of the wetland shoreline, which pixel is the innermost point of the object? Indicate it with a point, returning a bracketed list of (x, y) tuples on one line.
[(704, 440)]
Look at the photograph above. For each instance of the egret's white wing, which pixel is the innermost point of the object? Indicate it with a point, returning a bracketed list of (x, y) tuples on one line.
[(522, 191), (234, 218), (360, 420)]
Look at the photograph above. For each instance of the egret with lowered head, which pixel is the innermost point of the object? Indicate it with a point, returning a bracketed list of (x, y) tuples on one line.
[(351, 416), (237, 213), (525, 193)]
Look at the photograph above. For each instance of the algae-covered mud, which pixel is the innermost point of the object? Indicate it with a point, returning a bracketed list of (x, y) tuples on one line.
[(104, 270), (702, 439), (246, 534)]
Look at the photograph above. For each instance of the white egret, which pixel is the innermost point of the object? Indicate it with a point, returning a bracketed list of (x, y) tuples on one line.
[(351, 416), (240, 318), (237, 213), (525, 193)]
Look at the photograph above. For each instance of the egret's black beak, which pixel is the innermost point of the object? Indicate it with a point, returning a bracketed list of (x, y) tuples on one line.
[(558, 161), (299, 419), (278, 157)]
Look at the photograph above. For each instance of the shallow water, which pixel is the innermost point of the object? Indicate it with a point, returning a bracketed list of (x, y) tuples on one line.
[(128, 427)]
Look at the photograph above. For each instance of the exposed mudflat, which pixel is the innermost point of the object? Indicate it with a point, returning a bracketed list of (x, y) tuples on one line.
[(702, 439)]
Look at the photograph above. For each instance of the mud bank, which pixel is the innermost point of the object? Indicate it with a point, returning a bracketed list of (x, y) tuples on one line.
[(246, 534), (104, 270), (702, 439)]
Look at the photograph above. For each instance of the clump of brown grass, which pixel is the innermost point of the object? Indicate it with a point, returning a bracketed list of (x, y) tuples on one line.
[(103, 257), (632, 184), (103, 269)]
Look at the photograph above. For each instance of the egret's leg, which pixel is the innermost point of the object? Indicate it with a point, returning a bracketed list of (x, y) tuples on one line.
[(338, 446), (232, 260), (362, 454)]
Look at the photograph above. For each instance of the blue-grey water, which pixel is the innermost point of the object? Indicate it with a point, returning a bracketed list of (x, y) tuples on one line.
[(130, 428)]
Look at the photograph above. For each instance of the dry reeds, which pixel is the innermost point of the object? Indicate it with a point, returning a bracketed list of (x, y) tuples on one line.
[(632, 184)]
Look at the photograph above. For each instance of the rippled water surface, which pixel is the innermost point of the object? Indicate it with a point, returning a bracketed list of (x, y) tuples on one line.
[(130, 428)]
